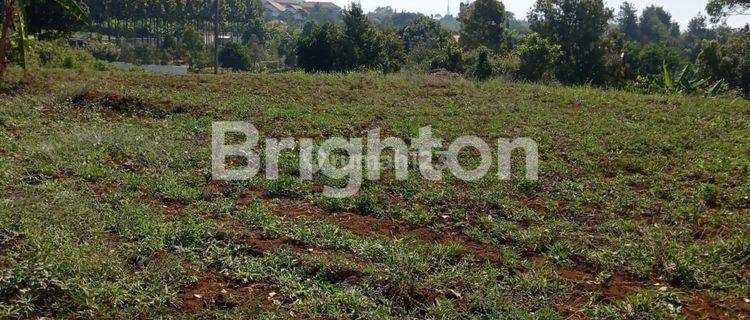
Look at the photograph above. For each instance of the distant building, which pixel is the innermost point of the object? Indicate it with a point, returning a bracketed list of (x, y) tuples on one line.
[(328, 6), (297, 10)]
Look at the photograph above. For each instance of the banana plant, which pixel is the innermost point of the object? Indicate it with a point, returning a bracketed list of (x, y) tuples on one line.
[(688, 82), (15, 22)]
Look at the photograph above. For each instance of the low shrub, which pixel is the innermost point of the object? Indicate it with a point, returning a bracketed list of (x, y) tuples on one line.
[(55, 55), (537, 58), (235, 57), (104, 51)]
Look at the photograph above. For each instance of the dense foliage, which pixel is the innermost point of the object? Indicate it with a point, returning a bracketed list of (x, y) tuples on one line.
[(483, 24), (578, 26), (355, 45), (570, 41), (235, 56)]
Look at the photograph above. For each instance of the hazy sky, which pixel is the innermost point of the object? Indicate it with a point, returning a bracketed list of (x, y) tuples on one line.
[(682, 10)]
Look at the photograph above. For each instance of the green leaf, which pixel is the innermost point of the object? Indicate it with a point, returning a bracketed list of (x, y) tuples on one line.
[(20, 25), (79, 10), (685, 75), (668, 82), (716, 89)]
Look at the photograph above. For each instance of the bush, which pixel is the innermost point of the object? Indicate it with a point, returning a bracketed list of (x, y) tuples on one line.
[(451, 59), (104, 51), (235, 56), (141, 54), (508, 65), (392, 56), (424, 32), (55, 55), (647, 60), (320, 51), (483, 66), (538, 58), (355, 46), (420, 57), (729, 61)]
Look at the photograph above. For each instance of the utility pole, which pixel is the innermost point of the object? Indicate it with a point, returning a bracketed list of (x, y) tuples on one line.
[(216, 36)]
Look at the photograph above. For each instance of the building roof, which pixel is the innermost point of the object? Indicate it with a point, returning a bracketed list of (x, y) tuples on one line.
[(279, 7), (323, 5), (288, 2)]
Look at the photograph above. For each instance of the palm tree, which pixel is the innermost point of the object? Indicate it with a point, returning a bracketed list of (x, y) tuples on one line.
[(13, 18)]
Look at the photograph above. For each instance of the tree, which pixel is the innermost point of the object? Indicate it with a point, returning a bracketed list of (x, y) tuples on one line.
[(392, 55), (483, 68), (451, 58), (235, 56), (698, 28), (729, 61), (48, 20), (361, 38), (720, 9), (362, 45), (192, 45), (450, 23), (358, 45), (321, 50), (424, 32), (650, 58), (627, 20), (14, 20), (483, 24), (656, 25), (538, 58), (323, 15), (254, 22), (578, 27)]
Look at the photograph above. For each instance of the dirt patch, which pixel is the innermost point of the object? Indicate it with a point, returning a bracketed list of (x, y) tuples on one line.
[(370, 226), (382, 227), (702, 306), (115, 106), (620, 287), (213, 291)]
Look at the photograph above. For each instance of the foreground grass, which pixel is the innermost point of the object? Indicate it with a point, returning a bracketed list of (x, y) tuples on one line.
[(108, 209)]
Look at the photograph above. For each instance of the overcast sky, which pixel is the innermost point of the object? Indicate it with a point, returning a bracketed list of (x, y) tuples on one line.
[(682, 10)]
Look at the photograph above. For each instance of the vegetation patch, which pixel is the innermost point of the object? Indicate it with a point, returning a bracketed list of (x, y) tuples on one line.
[(126, 104)]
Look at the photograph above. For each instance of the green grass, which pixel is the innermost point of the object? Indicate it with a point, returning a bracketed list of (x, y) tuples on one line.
[(109, 211)]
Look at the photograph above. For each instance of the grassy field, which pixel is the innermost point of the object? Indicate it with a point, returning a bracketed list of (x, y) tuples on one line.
[(642, 210)]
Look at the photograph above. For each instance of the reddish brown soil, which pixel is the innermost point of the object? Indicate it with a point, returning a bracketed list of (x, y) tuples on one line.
[(697, 304), (702, 306), (382, 227), (213, 291)]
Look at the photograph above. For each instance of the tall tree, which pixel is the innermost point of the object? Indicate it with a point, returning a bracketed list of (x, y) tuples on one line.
[(254, 22), (729, 61), (627, 20), (578, 27), (361, 38), (483, 24), (656, 24), (720, 9), (424, 32)]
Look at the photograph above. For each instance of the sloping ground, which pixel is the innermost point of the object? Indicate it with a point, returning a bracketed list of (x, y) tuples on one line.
[(109, 211)]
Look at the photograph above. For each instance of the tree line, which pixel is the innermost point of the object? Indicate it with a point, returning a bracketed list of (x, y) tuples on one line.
[(570, 41)]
